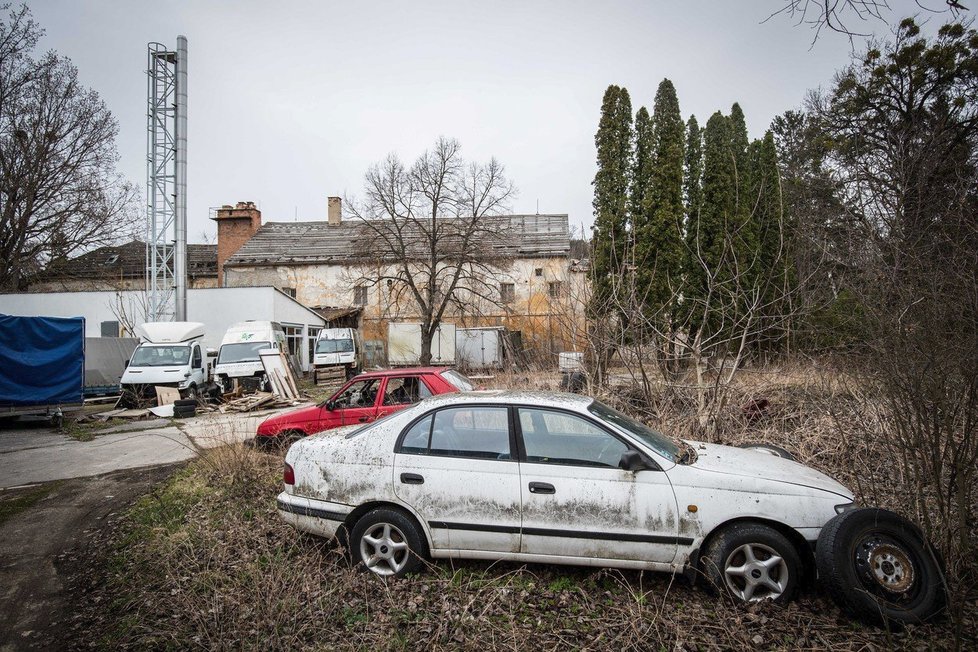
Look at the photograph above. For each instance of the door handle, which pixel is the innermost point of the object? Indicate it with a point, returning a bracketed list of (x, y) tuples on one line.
[(363, 419), (542, 488), (411, 478)]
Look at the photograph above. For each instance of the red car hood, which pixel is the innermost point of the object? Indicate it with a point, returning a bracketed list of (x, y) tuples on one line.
[(287, 420)]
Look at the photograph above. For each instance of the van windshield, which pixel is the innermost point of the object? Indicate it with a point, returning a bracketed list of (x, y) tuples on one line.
[(334, 346), (242, 352), (160, 356)]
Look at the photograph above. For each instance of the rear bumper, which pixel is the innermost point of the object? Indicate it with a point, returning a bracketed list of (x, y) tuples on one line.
[(318, 517)]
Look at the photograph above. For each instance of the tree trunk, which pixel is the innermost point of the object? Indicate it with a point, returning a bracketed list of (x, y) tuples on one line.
[(427, 332)]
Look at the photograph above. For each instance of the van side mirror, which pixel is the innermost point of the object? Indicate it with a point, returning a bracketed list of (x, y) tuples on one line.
[(126, 364), (632, 461)]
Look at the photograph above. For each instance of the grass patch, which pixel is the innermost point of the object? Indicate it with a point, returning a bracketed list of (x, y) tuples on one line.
[(86, 431), (24, 499)]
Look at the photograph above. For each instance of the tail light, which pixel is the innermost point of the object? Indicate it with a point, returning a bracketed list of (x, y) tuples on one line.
[(289, 475)]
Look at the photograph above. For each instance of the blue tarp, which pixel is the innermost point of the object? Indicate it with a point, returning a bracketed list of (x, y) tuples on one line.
[(42, 360)]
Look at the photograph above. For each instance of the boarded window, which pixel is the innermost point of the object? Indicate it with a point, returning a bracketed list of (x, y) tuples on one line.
[(360, 295), (507, 292)]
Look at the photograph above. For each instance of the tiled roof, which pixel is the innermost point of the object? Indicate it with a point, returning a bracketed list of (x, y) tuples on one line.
[(128, 261), (309, 243)]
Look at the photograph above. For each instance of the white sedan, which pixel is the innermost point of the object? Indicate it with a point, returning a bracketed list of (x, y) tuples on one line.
[(558, 478)]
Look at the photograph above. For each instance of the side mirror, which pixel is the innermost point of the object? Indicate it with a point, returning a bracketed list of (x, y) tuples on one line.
[(125, 365), (212, 353), (330, 405), (632, 461)]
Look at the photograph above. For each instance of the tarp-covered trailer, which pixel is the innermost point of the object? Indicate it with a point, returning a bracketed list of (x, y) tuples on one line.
[(42, 366)]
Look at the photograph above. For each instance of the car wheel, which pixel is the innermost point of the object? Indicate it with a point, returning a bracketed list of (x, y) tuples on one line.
[(753, 562), (388, 543), (877, 566), (191, 393), (770, 449)]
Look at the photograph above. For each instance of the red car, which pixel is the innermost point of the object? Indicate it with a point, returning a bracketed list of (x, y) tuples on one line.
[(366, 398)]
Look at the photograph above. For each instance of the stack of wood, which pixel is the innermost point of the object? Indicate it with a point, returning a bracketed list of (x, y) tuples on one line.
[(261, 400), (280, 374), (329, 376)]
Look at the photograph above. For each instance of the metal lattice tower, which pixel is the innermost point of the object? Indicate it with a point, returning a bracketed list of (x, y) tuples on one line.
[(166, 170)]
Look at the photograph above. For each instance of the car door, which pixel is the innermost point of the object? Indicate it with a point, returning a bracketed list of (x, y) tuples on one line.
[(578, 503), (354, 404), (456, 469)]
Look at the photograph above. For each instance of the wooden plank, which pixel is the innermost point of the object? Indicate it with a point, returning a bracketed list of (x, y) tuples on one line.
[(166, 395)]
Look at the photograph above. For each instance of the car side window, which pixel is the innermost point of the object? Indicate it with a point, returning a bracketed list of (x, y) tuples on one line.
[(474, 432), (551, 437), (404, 391), (415, 441), (360, 394)]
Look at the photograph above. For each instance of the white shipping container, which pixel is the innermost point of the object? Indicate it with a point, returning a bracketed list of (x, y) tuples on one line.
[(480, 348), (404, 345)]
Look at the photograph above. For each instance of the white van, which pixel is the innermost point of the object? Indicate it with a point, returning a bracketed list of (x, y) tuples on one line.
[(238, 357), (339, 347), (170, 354)]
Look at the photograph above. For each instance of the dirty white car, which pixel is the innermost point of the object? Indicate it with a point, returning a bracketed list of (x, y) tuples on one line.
[(562, 478)]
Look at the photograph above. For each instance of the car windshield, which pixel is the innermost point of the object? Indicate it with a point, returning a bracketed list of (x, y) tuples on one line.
[(242, 352), (160, 356), (654, 440), (334, 346), (458, 381)]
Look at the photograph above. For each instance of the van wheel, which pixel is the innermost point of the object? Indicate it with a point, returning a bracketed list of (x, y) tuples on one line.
[(191, 392), (753, 562), (879, 568)]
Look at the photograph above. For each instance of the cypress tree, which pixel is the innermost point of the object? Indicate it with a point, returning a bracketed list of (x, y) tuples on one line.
[(659, 245), (738, 132), (774, 242), (613, 142), (693, 172), (642, 171), (707, 230)]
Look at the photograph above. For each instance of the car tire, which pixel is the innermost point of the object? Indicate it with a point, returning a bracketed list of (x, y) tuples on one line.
[(770, 449), (388, 542), (185, 403), (878, 567), (752, 562), (190, 394)]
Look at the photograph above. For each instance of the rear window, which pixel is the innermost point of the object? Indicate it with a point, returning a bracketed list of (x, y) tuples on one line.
[(458, 381)]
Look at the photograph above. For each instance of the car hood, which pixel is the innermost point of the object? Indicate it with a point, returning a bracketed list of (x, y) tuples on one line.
[(295, 416), (763, 466)]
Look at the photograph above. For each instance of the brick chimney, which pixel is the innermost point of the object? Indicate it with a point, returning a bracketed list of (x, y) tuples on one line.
[(335, 211), (235, 226)]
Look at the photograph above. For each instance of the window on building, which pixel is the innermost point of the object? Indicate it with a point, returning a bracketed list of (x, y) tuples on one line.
[(360, 295), (507, 292), (554, 289), (289, 291), (538, 271), (293, 336), (311, 341)]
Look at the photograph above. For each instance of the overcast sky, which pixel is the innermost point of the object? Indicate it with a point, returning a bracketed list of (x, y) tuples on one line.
[(291, 101)]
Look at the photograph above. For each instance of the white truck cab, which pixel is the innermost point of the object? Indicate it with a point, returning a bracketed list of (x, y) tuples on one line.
[(170, 354), (238, 357), (339, 347)]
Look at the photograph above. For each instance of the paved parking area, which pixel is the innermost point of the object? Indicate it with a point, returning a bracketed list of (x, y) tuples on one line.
[(33, 452)]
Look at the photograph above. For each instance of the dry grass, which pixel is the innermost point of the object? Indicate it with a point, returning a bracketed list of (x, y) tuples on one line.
[(205, 562)]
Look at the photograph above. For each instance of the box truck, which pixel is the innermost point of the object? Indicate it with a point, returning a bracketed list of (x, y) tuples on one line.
[(404, 345), (170, 354), (339, 348), (238, 359)]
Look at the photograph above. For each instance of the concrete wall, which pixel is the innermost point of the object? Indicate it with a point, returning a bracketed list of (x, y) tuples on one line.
[(88, 285), (218, 308)]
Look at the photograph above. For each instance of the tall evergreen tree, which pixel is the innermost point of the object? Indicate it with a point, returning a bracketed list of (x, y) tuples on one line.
[(613, 142), (739, 140), (658, 243), (693, 172), (774, 240), (642, 171), (707, 263)]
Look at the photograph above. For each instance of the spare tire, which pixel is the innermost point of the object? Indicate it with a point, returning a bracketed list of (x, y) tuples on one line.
[(879, 568), (770, 449), (183, 412), (185, 402)]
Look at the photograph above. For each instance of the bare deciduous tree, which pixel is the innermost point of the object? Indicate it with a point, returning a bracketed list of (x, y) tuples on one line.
[(841, 15), (431, 236), (59, 191)]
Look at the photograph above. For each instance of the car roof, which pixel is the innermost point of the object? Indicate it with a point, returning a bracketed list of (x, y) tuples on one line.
[(510, 397), (402, 371)]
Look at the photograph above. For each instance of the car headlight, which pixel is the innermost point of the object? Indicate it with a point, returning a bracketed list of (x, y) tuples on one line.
[(845, 507)]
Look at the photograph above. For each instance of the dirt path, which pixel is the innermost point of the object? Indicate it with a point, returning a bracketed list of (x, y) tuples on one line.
[(53, 525)]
